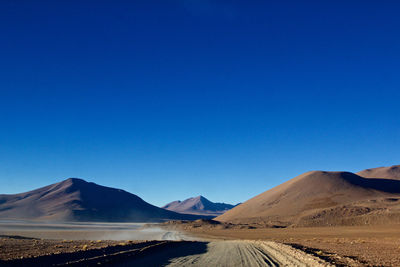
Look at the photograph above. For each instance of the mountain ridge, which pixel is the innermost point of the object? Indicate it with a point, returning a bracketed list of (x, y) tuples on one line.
[(391, 172), (75, 199), (320, 198)]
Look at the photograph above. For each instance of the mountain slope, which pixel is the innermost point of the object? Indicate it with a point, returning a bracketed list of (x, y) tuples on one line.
[(392, 172), (199, 206), (317, 198), (77, 200)]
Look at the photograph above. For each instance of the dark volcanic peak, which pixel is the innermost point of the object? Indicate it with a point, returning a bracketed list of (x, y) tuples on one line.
[(75, 199), (198, 205)]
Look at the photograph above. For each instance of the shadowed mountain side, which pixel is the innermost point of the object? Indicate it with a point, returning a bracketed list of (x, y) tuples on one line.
[(199, 206), (392, 172), (312, 195), (77, 200)]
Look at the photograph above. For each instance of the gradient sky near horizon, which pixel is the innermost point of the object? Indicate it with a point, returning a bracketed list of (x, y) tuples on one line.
[(173, 99)]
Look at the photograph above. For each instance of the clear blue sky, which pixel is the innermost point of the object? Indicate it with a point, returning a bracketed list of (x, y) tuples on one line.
[(173, 99)]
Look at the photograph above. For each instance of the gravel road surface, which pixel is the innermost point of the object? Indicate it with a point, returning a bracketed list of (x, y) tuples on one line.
[(228, 253)]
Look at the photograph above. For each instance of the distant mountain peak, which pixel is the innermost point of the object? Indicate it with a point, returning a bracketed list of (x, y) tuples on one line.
[(198, 205), (199, 198), (73, 180), (391, 172)]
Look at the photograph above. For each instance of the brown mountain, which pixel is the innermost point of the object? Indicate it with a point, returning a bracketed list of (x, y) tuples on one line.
[(199, 206), (77, 200), (392, 172), (321, 198)]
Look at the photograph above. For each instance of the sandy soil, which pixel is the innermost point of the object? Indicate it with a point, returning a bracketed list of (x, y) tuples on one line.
[(354, 246)]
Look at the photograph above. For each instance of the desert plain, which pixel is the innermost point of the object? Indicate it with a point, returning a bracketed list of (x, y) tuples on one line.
[(130, 245)]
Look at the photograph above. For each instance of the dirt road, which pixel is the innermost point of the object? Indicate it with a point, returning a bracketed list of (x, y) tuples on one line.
[(228, 253), (22, 251)]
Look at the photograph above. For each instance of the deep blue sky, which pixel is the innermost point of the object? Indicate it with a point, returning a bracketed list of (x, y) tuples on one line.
[(173, 99)]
